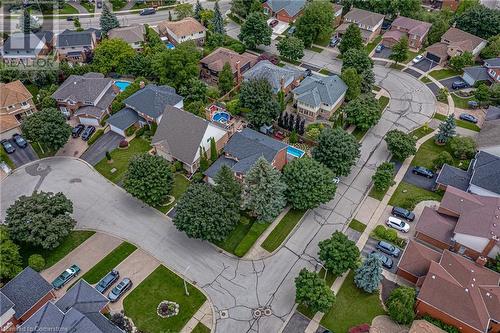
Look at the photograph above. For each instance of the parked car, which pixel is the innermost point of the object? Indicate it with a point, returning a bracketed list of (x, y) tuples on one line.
[(334, 41), (468, 117), (291, 31), (379, 48), (99, 4), (7, 146), (120, 289), (388, 248), (421, 171), (336, 180), (473, 104), (107, 281), (77, 130), (386, 261), (70, 18), (404, 213), (147, 11), (65, 276), (397, 224), (279, 135), (19, 140), (386, 25), (417, 59), (273, 23), (88, 133), (307, 72), (459, 85)]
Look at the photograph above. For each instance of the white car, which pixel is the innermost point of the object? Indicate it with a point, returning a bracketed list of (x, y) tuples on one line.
[(397, 224), (417, 59)]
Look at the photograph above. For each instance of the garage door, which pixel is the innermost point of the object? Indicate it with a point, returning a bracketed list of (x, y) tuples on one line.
[(117, 130), (89, 121), (433, 57)]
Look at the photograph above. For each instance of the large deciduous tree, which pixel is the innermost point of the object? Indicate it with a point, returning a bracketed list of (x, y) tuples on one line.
[(480, 21), (492, 49), (461, 61), (255, 31), (400, 305), (353, 81), (364, 111), (351, 40), (226, 79), (369, 275), (198, 8), (108, 19), (400, 144), (400, 50), (183, 10), (312, 291), (112, 55), (42, 219), (291, 48), (338, 253), (358, 59), (10, 259), (257, 96), (47, 127), (446, 130), (315, 21)]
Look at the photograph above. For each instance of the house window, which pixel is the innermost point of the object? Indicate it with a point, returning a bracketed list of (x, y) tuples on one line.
[(24, 103)]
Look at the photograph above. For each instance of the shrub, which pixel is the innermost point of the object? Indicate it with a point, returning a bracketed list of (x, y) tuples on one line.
[(123, 144), (178, 166), (391, 235), (441, 325), (140, 131), (37, 262), (197, 177), (380, 231), (463, 147), (96, 136), (442, 95), (153, 128), (213, 92), (130, 131), (108, 156), (443, 158), (293, 137)]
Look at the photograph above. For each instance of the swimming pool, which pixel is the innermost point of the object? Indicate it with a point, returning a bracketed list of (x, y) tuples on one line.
[(170, 46), (295, 152), (221, 117), (122, 85)]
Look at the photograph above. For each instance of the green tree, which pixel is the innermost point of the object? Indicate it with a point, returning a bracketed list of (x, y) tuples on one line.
[(206, 18), (400, 305), (44, 98), (291, 48), (226, 79), (309, 183), (480, 21), (384, 176), (494, 264), (183, 10), (202, 213), (36, 262), (214, 40), (315, 21), (41, 219), (336, 149), (47, 127), (353, 81), (492, 49), (148, 178), (197, 11), (111, 56), (244, 7), (369, 275), (255, 31), (461, 61), (463, 5), (482, 93), (10, 259), (218, 21), (400, 51), (442, 95), (400, 144), (312, 291), (495, 93), (351, 40), (264, 191), (446, 130), (257, 96), (195, 90), (228, 187), (438, 28), (338, 253), (108, 20), (463, 147), (364, 111), (357, 59), (204, 163), (443, 158), (214, 154)]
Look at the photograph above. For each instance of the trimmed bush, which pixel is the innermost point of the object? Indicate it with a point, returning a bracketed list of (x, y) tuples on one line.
[(130, 131), (96, 136), (123, 144), (391, 235), (178, 166), (37, 262)]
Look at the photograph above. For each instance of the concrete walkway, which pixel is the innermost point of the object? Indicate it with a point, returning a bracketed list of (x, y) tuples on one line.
[(203, 315)]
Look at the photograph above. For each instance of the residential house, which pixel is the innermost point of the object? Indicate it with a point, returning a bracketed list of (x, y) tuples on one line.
[(27, 48), (423, 326), (483, 175), (488, 72), (280, 78), (284, 10), (244, 149), (213, 63), (88, 97), (75, 46), (145, 106), (368, 22), (488, 140), (16, 102), (187, 29), (337, 14), (415, 262), (319, 96), (133, 35), (21, 297), (80, 310), (415, 31), (454, 42), (182, 135)]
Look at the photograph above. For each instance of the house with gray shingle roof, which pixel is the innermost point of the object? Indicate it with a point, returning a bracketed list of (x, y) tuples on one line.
[(319, 96), (27, 47), (75, 46), (489, 72), (369, 23), (133, 35), (280, 78), (284, 10)]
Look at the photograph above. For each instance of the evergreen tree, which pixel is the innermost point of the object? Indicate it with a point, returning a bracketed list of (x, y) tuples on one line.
[(228, 187), (446, 130), (369, 275), (197, 10), (169, 16), (214, 154), (226, 79), (218, 21), (203, 159), (108, 19), (291, 121)]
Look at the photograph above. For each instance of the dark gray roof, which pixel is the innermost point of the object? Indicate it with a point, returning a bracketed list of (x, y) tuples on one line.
[(21, 43), (82, 88), (123, 119), (449, 175), (273, 74), (217, 165), (152, 100), (489, 136), (25, 290), (82, 297), (75, 38), (100, 108), (315, 90), (5, 304), (486, 172), (478, 73), (493, 62), (292, 7), (492, 113)]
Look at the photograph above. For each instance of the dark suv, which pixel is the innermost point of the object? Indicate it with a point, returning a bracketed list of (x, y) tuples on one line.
[(421, 171), (20, 141), (388, 248), (88, 133), (77, 130), (404, 213), (107, 281), (459, 84)]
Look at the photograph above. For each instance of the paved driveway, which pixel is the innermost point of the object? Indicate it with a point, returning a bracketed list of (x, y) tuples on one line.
[(297, 324), (433, 87), (108, 142), (420, 181), (370, 246), (412, 72), (425, 65), (449, 82), (384, 54), (22, 155)]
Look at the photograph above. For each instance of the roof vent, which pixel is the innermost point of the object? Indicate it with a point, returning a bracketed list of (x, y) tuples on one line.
[(433, 277), (474, 279), (466, 290), (472, 285), (488, 294), (461, 200)]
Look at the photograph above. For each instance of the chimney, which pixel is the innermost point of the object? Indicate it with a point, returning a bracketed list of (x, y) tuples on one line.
[(481, 261), (282, 83), (142, 84), (238, 72)]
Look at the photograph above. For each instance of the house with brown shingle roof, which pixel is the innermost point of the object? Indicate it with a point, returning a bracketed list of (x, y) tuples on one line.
[(213, 63), (415, 262), (368, 22), (187, 29), (415, 31), (16, 102), (133, 35)]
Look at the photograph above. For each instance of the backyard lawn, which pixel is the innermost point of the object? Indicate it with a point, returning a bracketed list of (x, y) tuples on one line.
[(444, 73), (162, 284), (180, 186), (352, 307), (281, 231), (241, 239), (407, 195), (427, 152), (459, 122), (370, 46)]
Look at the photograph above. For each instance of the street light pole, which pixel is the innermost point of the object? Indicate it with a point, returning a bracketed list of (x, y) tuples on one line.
[(184, 279), (322, 266)]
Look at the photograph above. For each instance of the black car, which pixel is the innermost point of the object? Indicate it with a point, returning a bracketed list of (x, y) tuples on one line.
[(386, 25), (99, 4), (386, 261), (421, 171), (70, 18), (19, 140), (459, 84), (148, 11), (120, 289), (107, 281), (468, 117), (307, 72), (88, 133), (404, 213), (77, 130), (388, 248), (8, 147)]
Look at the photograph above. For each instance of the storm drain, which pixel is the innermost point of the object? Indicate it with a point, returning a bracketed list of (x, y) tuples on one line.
[(262, 311)]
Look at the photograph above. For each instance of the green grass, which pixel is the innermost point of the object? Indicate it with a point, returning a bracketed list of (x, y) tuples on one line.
[(325, 71), (74, 239), (358, 226), (323, 40), (109, 262), (241, 239), (315, 49), (377, 88), (5, 157), (377, 194), (97, 134), (425, 79), (200, 328), (397, 66), (444, 73), (352, 307), (67, 9), (427, 152), (370, 46), (407, 196), (330, 278), (88, 6), (282, 230), (180, 186), (421, 132), (41, 150), (383, 101), (459, 122), (359, 133), (411, 55), (461, 102), (162, 284), (121, 158)]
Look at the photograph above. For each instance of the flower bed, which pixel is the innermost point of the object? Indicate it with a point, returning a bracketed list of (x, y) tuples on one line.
[(167, 309)]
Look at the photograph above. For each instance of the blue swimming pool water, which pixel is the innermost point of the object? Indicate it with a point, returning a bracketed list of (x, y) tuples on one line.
[(221, 117), (122, 85), (170, 46), (295, 152)]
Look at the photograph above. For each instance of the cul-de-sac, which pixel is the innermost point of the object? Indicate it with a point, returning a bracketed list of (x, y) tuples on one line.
[(250, 166)]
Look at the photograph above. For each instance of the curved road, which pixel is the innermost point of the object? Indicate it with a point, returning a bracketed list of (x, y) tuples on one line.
[(232, 284)]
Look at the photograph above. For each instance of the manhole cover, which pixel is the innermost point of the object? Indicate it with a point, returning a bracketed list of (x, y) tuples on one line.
[(268, 312), (223, 314), (257, 313)]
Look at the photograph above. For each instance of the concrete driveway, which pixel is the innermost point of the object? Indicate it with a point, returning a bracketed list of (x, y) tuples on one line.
[(383, 54), (412, 72), (449, 82), (22, 155), (433, 87), (425, 65), (74, 147), (420, 181), (109, 141), (370, 246)]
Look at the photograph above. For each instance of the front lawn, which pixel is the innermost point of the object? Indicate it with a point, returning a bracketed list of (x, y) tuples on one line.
[(421, 132), (397, 66), (461, 102), (41, 150), (180, 186), (352, 307), (411, 55), (359, 133), (121, 158), (162, 284), (459, 122), (5, 157), (281, 231), (358, 226), (377, 194), (200, 328), (407, 196), (425, 79), (444, 73), (241, 239), (427, 152), (383, 101), (370, 46), (67, 9)]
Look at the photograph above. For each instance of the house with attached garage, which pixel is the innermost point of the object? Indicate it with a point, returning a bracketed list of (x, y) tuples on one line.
[(16, 103), (87, 97), (284, 10), (415, 31), (368, 22), (133, 35), (489, 72), (488, 140), (182, 136), (280, 78), (27, 48), (145, 106), (76, 46), (187, 29), (213, 63)]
